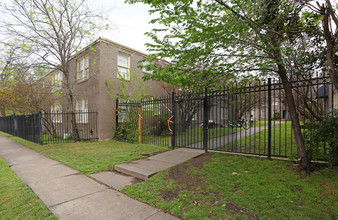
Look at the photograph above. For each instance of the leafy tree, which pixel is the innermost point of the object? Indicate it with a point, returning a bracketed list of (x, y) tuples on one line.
[(133, 89), (14, 68), (329, 31), (226, 41), (54, 31)]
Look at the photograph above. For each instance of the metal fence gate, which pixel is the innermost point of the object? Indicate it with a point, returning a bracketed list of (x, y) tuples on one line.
[(247, 119)]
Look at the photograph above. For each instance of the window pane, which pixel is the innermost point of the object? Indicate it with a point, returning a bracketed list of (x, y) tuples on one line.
[(122, 60), (87, 62), (123, 73)]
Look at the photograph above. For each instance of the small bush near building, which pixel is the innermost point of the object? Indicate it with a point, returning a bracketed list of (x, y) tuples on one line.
[(276, 116), (160, 126), (321, 139)]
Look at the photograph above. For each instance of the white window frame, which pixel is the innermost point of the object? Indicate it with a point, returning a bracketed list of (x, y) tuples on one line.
[(123, 69), (82, 66), (56, 110), (263, 113), (82, 110)]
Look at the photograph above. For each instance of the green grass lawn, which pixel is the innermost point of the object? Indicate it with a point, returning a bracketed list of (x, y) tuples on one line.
[(282, 142), (17, 201), (232, 187), (91, 157)]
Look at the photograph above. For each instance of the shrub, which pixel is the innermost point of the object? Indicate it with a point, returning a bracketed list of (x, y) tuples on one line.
[(128, 129), (125, 133), (161, 125), (321, 139), (276, 116)]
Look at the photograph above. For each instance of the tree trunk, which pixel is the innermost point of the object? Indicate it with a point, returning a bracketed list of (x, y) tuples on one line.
[(302, 155), (330, 43), (71, 101)]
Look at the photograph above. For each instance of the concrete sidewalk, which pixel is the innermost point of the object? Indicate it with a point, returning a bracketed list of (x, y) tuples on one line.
[(145, 168), (216, 143), (69, 194)]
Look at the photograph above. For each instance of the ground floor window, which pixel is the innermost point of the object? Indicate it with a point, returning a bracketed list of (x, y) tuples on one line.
[(82, 110), (56, 113)]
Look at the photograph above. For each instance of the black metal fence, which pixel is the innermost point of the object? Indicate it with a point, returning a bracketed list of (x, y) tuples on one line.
[(52, 127), (24, 126), (247, 119)]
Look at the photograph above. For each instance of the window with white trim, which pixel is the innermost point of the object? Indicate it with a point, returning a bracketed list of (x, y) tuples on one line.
[(56, 113), (123, 65), (145, 63), (82, 110), (263, 113), (83, 68)]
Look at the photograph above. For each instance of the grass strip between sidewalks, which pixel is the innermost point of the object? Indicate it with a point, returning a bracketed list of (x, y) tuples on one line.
[(17, 201), (92, 157)]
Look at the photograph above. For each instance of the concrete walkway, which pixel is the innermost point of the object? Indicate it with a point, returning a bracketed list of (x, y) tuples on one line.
[(69, 194), (145, 168), (215, 143)]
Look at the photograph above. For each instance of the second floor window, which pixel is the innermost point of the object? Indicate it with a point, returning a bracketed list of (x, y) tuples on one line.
[(123, 66), (83, 68)]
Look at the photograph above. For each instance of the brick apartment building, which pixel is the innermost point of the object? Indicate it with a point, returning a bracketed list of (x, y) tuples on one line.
[(89, 70)]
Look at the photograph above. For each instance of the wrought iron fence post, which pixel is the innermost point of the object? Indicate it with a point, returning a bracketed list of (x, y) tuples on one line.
[(40, 127), (117, 113), (205, 120), (33, 126), (269, 118), (173, 110), (140, 124)]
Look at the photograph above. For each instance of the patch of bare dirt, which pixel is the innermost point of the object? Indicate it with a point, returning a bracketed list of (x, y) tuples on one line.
[(237, 210), (188, 181), (179, 174)]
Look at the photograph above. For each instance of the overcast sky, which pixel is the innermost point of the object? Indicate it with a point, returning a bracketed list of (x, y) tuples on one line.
[(131, 23)]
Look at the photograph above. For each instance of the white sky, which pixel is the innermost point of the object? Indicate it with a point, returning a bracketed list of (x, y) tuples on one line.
[(131, 23)]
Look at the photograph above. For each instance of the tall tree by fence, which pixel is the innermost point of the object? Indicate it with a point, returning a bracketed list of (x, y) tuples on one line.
[(221, 41), (54, 31)]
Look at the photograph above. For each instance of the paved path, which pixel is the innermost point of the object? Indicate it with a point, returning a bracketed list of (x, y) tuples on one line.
[(69, 194), (215, 143), (145, 168)]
